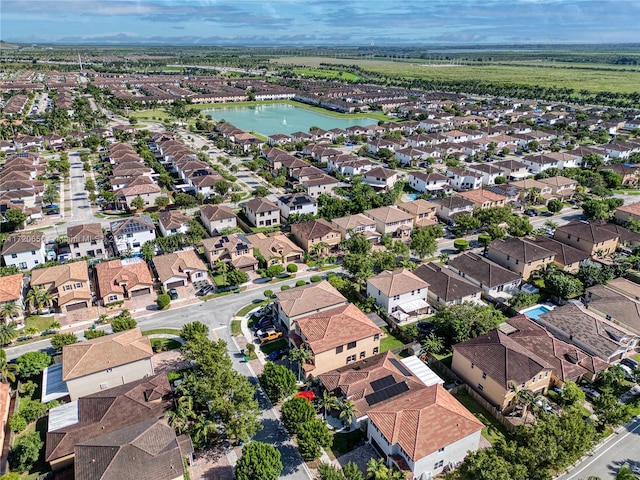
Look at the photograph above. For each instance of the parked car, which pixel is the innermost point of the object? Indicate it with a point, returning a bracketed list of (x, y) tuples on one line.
[(262, 311), (530, 213), (264, 322), (270, 335), (629, 362), (544, 404), (424, 327), (628, 372), (546, 214), (173, 293), (204, 290), (590, 392), (277, 355)]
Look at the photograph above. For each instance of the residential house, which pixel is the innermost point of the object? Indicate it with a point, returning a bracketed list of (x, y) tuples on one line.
[(218, 218), (150, 448), (495, 281), (630, 173), (118, 280), (432, 183), (561, 187), (391, 220), (297, 204), (295, 303), (627, 212), (567, 258), (445, 287), (423, 212), (129, 234), (234, 249), (178, 269), (24, 250), (449, 207), (519, 255), (490, 173), (11, 289), (316, 236), (86, 240), (336, 337), (275, 248), (357, 223), (533, 191), (172, 222), (616, 304), (262, 212), (380, 177), (484, 198), (587, 330), (513, 169), (590, 237), (462, 179), (423, 431), (401, 293), (103, 412), (316, 185), (627, 238), (67, 284), (104, 362), (148, 192)]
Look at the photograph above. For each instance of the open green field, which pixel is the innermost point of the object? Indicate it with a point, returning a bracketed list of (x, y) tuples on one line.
[(328, 74), (580, 76)]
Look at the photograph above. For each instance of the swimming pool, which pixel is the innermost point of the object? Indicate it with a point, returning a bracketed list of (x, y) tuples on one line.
[(412, 196), (537, 310)]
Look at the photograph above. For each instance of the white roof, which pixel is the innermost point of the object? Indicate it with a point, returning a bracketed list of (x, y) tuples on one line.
[(420, 370), (63, 416), (414, 305)]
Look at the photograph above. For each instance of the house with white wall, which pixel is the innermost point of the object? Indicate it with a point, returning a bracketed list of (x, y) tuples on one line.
[(24, 250)]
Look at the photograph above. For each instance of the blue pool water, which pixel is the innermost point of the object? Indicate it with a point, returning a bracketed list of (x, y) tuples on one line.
[(536, 311), (413, 196)]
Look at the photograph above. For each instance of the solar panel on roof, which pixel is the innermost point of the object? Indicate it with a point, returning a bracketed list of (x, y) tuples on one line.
[(400, 366), (383, 382), (387, 393)]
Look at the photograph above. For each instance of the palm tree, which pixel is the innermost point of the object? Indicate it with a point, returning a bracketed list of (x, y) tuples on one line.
[(327, 402), (38, 297), (625, 473), (57, 326), (7, 333), (31, 331), (300, 355), (9, 310), (319, 249), (7, 370), (348, 411), (527, 399), (200, 430), (376, 469)]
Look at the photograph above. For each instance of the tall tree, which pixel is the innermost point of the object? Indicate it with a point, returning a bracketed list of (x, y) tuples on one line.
[(259, 461), (7, 370), (300, 356)]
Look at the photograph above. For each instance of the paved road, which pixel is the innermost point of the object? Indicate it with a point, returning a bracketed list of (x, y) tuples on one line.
[(80, 207), (617, 450)]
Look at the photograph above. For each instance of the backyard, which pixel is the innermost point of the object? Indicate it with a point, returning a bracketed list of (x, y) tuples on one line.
[(493, 430)]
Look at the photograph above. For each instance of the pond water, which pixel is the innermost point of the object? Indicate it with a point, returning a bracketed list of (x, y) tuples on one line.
[(275, 118)]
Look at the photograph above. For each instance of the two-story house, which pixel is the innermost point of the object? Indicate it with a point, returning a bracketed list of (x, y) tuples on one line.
[(446, 287), (172, 222), (24, 250), (566, 257), (391, 220), (129, 234), (336, 337), (178, 269), (462, 179), (432, 183), (316, 236), (561, 187), (590, 237), (513, 169), (533, 191), (234, 249), (380, 177), (401, 293), (262, 212), (275, 248), (423, 212), (489, 172), (495, 281), (86, 240), (118, 280), (104, 362), (519, 255), (447, 208), (218, 218), (357, 223), (484, 198), (67, 284), (11, 289), (297, 204)]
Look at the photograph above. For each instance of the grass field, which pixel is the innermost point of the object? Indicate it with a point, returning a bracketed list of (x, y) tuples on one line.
[(41, 323), (163, 344), (592, 77), (390, 341), (280, 344), (345, 442), (236, 329), (162, 331), (328, 74), (492, 430)]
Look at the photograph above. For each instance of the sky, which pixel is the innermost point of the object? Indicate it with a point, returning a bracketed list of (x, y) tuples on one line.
[(320, 22)]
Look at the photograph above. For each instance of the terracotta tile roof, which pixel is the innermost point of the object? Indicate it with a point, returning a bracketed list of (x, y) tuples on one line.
[(444, 283), (143, 189), (351, 222), (85, 233), (101, 353), (418, 207), (388, 214), (145, 451), (111, 276), (482, 270), (173, 219), (482, 196), (380, 172), (309, 298), (177, 264), (521, 249), (59, 274), (22, 242), (216, 212), (591, 232), (454, 202), (614, 305), (11, 288), (273, 245), (397, 282), (565, 254), (327, 330), (110, 410), (424, 421), (558, 181)]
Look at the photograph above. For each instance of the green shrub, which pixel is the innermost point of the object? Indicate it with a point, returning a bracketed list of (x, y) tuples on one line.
[(28, 389), (284, 287), (268, 293), (31, 364), (292, 268), (193, 330), (25, 452), (274, 270), (163, 301), (124, 321), (60, 340), (31, 410), (484, 239), (10, 476), (315, 279), (300, 283), (17, 423), (91, 334), (461, 244)]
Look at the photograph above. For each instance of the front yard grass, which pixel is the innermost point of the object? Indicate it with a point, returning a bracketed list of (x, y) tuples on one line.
[(345, 442), (244, 310), (236, 329), (493, 430), (390, 340), (164, 344), (280, 344), (41, 323), (162, 331)]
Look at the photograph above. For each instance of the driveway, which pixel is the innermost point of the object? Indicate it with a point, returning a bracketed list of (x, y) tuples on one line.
[(80, 207)]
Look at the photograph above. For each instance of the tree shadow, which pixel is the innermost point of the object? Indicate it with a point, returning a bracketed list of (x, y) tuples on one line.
[(633, 464)]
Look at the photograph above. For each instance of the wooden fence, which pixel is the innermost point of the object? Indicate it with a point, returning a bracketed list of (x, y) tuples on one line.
[(493, 411)]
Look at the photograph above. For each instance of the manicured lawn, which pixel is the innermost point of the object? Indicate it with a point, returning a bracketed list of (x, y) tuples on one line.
[(163, 344), (236, 330), (220, 280), (244, 310), (390, 341), (345, 442), (279, 344), (162, 331), (445, 358), (41, 323), (492, 430), (636, 357)]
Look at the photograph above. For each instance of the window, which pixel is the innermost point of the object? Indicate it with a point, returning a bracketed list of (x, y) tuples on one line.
[(112, 298), (351, 345), (66, 288), (376, 337), (14, 255), (33, 252), (362, 355), (109, 370), (484, 375), (22, 265), (75, 245), (376, 350), (533, 380), (339, 349), (523, 384), (129, 235), (517, 262), (472, 365), (480, 387), (441, 450), (351, 358), (396, 297), (78, 285)]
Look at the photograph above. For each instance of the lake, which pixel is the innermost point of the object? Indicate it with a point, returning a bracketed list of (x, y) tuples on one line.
[(273, 118)]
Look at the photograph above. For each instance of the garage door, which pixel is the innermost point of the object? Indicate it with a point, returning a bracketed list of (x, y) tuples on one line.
[(76, 306), (177, 284), (142, 291)]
